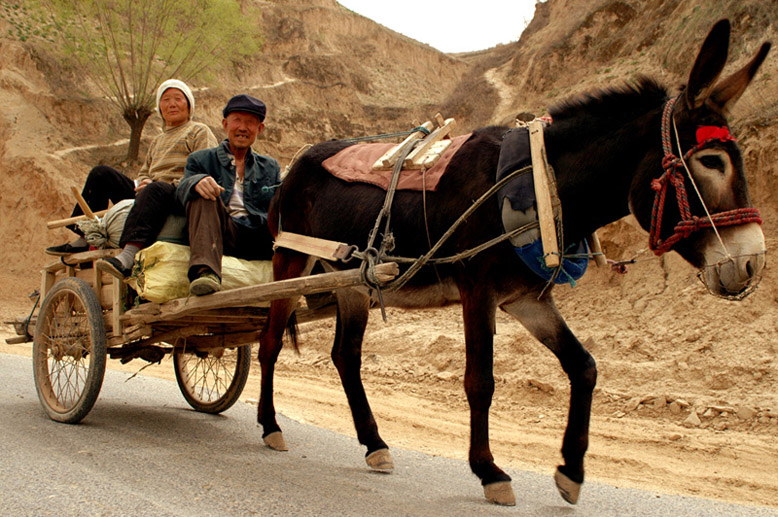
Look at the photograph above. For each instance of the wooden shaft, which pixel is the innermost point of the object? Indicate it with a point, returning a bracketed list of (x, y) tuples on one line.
[(59, 223), (543, 196), (82, 203), (248, 296), (330, 250), (594, 244)]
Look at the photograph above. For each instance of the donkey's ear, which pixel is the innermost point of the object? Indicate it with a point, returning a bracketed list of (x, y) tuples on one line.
[(708, 65), (729, 90)]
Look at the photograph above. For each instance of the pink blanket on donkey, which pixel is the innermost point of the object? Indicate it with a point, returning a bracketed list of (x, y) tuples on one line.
[(355, 164)]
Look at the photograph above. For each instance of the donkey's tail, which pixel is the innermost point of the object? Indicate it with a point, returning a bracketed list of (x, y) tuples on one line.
[(292, 332)]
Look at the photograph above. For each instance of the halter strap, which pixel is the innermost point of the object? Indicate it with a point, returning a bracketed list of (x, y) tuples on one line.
[(673, 175)]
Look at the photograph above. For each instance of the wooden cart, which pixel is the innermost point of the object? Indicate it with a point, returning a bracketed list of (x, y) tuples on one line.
[(87, 316)]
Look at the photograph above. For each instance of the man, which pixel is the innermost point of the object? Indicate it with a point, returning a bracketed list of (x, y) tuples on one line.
[(154, 191), (226, 191)]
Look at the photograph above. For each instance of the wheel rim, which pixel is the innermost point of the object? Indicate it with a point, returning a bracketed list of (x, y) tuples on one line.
[(66, 352), (207, 377)]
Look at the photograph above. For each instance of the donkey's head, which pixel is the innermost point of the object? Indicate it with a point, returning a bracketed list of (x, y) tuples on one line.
[(701, 207)]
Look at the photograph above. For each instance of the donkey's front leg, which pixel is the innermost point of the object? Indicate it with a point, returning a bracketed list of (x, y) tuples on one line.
[(347, 356), (285, 265), (543, 320), (478, 314), (270, 344)]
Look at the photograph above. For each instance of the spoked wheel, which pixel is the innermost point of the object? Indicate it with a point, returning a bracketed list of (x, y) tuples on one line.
[(212, 380), (68, 353)]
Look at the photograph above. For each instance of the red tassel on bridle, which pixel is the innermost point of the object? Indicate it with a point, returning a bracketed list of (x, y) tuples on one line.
[(708, 133)]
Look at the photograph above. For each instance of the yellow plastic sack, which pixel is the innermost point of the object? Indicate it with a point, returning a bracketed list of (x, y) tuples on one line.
[(160, 272)]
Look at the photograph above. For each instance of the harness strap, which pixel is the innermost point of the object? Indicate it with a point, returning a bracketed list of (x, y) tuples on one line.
[(673, 176), (420, 262), (373, 256)]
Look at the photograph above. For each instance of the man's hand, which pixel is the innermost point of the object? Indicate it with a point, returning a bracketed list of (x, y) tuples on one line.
[(208, 188), (142, 183)]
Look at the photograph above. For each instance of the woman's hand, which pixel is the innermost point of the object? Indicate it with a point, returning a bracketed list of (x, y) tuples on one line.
[(139, 184)]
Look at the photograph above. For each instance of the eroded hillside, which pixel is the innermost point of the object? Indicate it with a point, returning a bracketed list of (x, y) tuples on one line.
[(326, 72)]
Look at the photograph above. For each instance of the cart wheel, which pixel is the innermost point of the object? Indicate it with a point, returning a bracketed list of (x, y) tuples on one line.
[(68, 352), (212, 380)]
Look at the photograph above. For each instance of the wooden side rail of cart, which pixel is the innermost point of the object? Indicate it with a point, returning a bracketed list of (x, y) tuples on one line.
[(86, 316), (233, 317), (237, 312)]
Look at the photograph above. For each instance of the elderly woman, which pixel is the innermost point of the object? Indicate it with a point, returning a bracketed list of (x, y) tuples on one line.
[(154, 191)]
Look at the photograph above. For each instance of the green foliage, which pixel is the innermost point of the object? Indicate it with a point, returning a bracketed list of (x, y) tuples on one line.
[(128, 47)]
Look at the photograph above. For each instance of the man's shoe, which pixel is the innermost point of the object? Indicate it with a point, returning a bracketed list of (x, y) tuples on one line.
[(112, 266), (207, 283), (66, 249)]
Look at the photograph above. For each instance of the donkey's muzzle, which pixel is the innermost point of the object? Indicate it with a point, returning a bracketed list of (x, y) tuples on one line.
[(734, 278)]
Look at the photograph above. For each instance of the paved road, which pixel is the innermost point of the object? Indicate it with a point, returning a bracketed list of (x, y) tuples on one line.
[(141, 451)]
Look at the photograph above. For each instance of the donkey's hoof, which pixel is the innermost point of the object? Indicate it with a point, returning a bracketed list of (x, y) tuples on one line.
[(275, 441), (501, 493), (568, 489), (380, 461)]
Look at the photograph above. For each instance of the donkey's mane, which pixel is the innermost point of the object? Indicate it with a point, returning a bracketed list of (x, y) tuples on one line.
[(633, 98)]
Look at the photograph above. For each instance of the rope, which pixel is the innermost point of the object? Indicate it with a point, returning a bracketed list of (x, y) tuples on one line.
[(468, 253), (704, 206), (294, 158), (673, 175), (426, 222), (387, 135), (37, 295), (417, 264)]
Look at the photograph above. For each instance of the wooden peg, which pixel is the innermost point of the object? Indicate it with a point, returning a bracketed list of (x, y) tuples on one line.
[(543, 196), (82, 203), (388, 160), (428, 142), (596, 247)]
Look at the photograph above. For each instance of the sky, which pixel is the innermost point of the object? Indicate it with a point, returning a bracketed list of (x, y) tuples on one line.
[(458, 26)]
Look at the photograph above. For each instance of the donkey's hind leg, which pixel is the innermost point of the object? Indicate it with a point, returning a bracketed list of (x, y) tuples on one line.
[(285, 265), (478, 309), (352, 318), (543, 320)]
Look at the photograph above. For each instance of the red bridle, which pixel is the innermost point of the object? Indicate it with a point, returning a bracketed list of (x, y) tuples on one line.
[(673, 175)]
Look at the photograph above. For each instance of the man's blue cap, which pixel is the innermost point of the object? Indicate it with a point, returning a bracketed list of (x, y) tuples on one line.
[(247, 104)]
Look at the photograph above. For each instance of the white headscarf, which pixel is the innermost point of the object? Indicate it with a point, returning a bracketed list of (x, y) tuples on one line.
[(180, 85)]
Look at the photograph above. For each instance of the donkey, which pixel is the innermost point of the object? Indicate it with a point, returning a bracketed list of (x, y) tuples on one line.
[(609, 160)]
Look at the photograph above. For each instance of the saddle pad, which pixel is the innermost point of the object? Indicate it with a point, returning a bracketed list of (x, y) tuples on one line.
[(160, 272), (355, 164)]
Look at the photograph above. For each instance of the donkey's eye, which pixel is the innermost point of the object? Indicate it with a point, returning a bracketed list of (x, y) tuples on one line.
[(712, 162)]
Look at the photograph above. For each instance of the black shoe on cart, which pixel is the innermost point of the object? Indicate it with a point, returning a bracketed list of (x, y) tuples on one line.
[(112, 266), (65, 249)]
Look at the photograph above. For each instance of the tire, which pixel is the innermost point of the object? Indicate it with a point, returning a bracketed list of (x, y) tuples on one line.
[(212, 381), (69, 351)]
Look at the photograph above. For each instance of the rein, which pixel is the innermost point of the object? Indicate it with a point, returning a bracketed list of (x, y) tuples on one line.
[(673, 175), (370, 255)]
